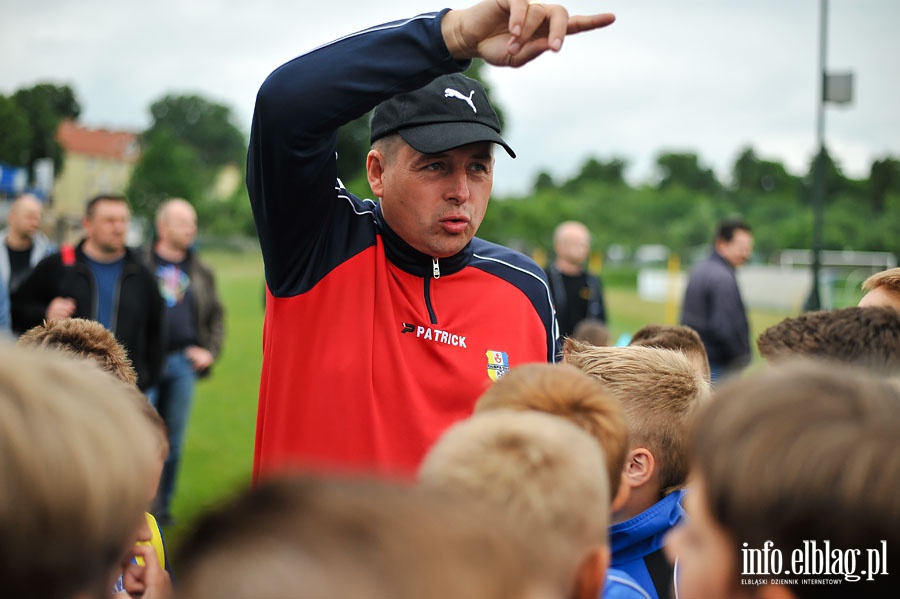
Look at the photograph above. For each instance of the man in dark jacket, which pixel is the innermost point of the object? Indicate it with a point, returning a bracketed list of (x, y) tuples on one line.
[(577, 293), (712, 301), (195, 328), (100, 279)]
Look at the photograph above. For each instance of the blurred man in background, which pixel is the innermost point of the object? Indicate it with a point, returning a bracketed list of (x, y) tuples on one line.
[(712, 301), (22, 246), (577, 293)]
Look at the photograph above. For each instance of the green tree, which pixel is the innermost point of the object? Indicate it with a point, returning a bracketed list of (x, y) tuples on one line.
[(612, 172), (352, 148), (752, 175), (207, 127), (543, 182), (167, 168), (685, 170), (15, 133), (45, 105), (884, 177), (188, 143), (835, 181)]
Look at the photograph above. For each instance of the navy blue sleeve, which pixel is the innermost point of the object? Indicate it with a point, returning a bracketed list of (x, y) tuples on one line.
[(291, 163)]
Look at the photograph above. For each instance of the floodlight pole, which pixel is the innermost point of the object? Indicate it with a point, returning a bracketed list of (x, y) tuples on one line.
[(813, 302)]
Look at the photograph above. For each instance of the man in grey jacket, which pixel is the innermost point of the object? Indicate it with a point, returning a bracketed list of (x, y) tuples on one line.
[(23, 243), (712, 301)]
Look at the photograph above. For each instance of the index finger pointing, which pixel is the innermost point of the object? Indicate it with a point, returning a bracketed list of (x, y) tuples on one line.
[(580, 23)]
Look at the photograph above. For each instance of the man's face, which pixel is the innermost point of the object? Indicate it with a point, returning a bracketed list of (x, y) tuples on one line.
[(179, 226), (434, 202), (25, 218), (107, 227), (573, 244), (738, 250)]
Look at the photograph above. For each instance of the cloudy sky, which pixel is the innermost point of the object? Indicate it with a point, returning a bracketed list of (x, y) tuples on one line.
[(707, 76)]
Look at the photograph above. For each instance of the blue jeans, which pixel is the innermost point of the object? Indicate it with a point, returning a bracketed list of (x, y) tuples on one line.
[(173, 397)]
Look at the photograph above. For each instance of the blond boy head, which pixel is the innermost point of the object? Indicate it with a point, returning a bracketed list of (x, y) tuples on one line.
[(304, 536), (545, 473), (70, 444), (660, 392), (563, 390), (882, 289)]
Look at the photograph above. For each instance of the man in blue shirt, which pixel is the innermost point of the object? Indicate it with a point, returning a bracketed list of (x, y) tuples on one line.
[(99, 279)]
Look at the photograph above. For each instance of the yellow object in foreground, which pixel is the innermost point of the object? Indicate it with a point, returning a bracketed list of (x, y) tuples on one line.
[(155, 540)]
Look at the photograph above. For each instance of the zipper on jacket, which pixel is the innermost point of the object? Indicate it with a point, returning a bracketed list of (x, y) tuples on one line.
[(436, 274)]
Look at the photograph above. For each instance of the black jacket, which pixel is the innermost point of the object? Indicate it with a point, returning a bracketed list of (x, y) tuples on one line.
[(596, 306), (714, 308), (137, 312)]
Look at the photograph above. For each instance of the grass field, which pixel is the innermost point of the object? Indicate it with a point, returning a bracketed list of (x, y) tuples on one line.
[(218, 455)]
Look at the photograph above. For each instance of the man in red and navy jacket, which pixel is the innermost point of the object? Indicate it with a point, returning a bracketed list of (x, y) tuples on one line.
[(386, 320)]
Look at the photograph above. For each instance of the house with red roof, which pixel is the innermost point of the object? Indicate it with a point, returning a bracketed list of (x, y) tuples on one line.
[(96, 161)]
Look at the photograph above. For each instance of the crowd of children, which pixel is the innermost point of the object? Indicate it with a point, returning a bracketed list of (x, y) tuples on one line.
[(618, 473)]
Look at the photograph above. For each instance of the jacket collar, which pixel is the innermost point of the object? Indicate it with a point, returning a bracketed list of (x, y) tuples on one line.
[(643, 534), (413, 261), (130, 257), (717, 256)]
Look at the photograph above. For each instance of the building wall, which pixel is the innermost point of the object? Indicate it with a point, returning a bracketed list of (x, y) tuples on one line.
[(83, 177)]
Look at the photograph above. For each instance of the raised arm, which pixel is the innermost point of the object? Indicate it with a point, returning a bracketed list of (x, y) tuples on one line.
[(291, 166)]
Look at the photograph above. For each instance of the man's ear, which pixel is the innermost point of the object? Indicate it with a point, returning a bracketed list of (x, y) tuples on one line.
[(592, 574), (375, 163), (640, 466)]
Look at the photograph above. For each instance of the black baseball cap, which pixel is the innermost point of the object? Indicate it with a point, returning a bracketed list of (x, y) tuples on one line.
[(451, 111)]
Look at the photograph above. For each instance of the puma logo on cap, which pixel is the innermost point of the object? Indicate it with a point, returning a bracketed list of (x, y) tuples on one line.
[(452, 93)]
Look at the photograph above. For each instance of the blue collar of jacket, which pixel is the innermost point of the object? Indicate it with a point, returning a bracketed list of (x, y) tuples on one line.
[(413, 261), (645, 533)]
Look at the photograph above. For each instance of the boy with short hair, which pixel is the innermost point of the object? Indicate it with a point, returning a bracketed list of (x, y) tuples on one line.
[(565, 391), (660, 393), (591, 330), (69, 447), (306, 536), (546, 474), (84, 338), (868, 337), (790, 458), (882, 289), (679, 337)]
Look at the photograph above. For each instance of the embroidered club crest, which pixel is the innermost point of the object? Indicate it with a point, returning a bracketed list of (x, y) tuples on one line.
[(497, 364)]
